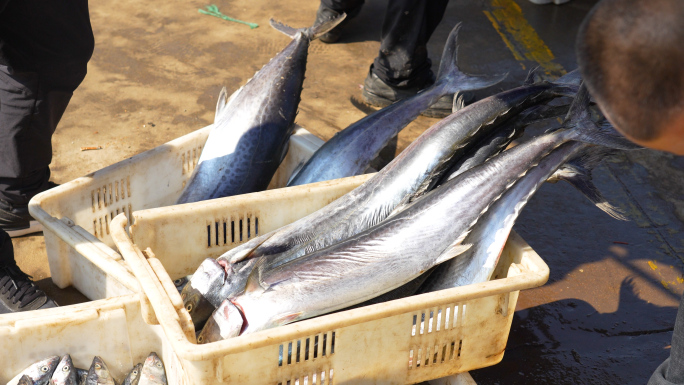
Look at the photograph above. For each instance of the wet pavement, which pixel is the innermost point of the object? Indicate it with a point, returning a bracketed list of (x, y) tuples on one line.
[(606, 314)]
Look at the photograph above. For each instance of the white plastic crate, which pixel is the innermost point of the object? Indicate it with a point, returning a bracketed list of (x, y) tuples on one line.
[(410, 340), (111, 328), (76, 216)]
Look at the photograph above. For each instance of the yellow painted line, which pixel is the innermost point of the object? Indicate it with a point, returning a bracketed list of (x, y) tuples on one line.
[(519, 36)]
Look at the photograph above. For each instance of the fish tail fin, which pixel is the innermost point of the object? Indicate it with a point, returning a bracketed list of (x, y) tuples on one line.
[(451, 76), (317, 30), (570, 78), (583, 129), (567, 85), (532, 76), (312, 32), (577, 172)]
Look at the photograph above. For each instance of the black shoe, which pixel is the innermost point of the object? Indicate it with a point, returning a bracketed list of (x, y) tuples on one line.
[(380, 94), (324, 14), (19, 293), (16, 220)]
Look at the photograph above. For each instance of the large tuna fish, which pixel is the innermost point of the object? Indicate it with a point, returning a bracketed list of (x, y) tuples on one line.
[(252, 128), (409, 175), (428, 232), (351, 150)]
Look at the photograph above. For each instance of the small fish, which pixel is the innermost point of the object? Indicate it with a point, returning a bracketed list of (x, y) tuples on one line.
[(153, 372), (65, 374), (40, 372), (133, 377), (99, 373), (82, 376), (181, 282)]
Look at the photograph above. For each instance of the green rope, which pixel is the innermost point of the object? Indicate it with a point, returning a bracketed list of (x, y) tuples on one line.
[(212, 10)]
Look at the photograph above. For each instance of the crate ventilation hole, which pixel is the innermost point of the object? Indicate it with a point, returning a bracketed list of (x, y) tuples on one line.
[(110, 196), (223, 232), (312, 348), (189, 160), (435, 321)]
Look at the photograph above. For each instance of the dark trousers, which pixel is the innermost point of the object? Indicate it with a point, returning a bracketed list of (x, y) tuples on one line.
[(403, 60), (6, 250), (671, 372), (45, 46)]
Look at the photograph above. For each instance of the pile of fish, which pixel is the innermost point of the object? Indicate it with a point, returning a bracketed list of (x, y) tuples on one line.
[(55, 371), (435, 217)]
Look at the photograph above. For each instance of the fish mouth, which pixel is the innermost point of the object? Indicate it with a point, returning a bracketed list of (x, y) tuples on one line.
[(241, 311)]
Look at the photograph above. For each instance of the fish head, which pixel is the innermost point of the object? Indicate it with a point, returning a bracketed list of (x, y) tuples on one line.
[(99, 372), (226, 322), (81, 375), (133, 376), (153, 370), (41, 371), (181, 282), (206, 280), (65, 372)]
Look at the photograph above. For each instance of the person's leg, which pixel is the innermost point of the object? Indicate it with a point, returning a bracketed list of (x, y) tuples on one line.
[(403, 59), (402, 67), (17, 292), (330, 9), (44, 50), (671, 371)]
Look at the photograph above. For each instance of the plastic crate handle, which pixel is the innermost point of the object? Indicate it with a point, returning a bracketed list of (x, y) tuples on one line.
[(104, 261), (157, 305)]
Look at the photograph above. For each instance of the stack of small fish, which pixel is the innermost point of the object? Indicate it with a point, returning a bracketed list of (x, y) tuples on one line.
[(56, 371), (435, 217)]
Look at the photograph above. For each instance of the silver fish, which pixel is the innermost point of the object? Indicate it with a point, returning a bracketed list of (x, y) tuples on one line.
[(408, 176), (65, 374), (99, 374), (82, 375), (252, 128), (489, 235), (40, 372), (133, 376), (351, 150), (153, 372), (428, 232)]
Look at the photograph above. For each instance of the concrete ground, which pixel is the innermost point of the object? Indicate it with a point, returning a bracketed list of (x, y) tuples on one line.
[(607, 312)]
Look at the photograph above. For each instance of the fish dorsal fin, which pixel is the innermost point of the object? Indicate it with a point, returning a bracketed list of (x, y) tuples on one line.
[(531, 76), (313, 32), (254, 279), (454, 250), (286, 29), (222, 103)]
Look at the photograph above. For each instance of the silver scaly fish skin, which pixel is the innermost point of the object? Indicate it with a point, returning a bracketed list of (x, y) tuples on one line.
[(153, 372), (252, 128)]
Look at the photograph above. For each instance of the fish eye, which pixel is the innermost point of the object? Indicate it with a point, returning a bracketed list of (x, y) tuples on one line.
[(159, 364), (97, 366), (188, 307), (200, 339), (135, 372), (65, 368), (44, 369)]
